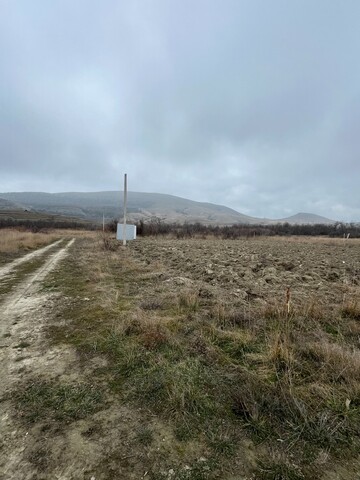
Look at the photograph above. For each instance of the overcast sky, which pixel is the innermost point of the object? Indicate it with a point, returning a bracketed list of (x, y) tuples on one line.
[(253, 104)]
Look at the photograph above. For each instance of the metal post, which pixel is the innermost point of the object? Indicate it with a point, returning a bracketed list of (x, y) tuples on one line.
[(125, 200), (103, 223)]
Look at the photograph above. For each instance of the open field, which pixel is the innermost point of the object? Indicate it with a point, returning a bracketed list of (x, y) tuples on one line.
[(185, 359)]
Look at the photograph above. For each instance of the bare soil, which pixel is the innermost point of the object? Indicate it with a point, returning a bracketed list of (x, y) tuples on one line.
[(325, 271)]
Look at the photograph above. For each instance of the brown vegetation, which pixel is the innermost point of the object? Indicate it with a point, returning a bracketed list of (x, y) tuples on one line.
[(12, 240), (156, 227), (245, 352)]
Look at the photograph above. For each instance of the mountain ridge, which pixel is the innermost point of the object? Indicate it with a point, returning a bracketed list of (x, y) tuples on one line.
[(143, 206)]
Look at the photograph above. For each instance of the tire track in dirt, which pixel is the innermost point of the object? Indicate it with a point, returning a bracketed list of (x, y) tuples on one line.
[(22, 318), (19, 301), (30, 256)]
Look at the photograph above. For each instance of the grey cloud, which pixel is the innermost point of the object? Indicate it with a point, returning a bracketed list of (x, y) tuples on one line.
[(253, 104)]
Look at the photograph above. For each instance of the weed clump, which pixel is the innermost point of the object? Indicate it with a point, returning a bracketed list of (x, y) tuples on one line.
[(108, 243)]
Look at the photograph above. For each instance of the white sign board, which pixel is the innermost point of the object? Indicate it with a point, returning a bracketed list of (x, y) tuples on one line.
[(130, 232)]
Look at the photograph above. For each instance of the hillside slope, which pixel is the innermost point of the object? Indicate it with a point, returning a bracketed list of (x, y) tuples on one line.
[(169, 208), (92, 205)]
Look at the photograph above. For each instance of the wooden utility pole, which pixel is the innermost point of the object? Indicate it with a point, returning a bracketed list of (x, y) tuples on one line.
[(125, 200)]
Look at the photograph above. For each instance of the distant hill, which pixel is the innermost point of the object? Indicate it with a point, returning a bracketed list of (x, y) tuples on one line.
[(306, 218), (169, 208), (11, 213), (92, 205), (9, 205)]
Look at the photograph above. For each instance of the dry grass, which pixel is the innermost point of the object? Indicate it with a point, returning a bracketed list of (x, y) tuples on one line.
[(351, 309), (188, 300), (335, 362), (336, 241), (12, 241)]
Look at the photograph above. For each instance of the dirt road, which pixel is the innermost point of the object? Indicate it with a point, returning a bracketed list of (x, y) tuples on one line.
[(26, 258), (18, 303), (23, 312)]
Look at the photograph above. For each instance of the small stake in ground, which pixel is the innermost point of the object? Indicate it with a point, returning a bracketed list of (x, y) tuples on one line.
[(125, 199)]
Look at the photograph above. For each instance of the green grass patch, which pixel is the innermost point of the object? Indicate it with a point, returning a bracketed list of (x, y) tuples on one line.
[(61, 402), (186, 388), (233, 345), (16, 277)]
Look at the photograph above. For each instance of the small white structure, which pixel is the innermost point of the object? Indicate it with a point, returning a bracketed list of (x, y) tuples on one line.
[(130, 232)]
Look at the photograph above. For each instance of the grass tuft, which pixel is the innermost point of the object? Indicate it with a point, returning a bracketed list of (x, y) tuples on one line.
[(144, 435), (351, 310), (279, 470), (188, 301)]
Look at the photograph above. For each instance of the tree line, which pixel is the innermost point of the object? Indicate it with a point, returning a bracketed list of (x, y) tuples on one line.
[(39, 224), (157, 227)]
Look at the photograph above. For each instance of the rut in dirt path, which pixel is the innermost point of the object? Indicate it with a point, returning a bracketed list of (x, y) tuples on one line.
[(23, 314), (17, 302), (30, 256)]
